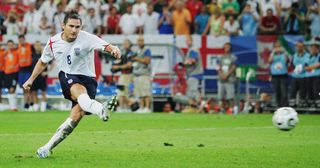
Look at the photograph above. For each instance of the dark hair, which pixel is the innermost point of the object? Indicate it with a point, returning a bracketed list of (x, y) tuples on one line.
[(71, 15), (10, 41), (21, 36), (112, 7), (269, 9)]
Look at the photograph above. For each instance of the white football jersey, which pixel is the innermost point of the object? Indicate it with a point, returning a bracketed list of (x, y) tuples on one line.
[(75, 57)]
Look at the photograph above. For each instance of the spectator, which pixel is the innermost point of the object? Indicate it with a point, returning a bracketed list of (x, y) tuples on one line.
[(13, 26), (2, 27), (293, 22), (111, 22), (125, 66), (129, 23), (72, 4), (194, 7), (181, 19), (230, 7), (25, 67), (232, 26), (304, 5), (123, 6), (180, 84), (57, 20), (5, 7), (215, 24), (40, 83), (270, 24), (11, 70), (44, 26), (159, 5), (81, 10), (211, 106), (201, 20), (278, 61), (193, 64), (266, 5), (64, 4), (31, 21), (313, 75), (48, 8), (285, 7), (150, 21), (248, 21), (298, 83), (314, 16), (96, 4), (2, 51), (254, 4), (106, 7), (142, 71), (21, 9), (167, 108), (139, 8), (212, 6), (92, 23), (165, 21), (227, 78)]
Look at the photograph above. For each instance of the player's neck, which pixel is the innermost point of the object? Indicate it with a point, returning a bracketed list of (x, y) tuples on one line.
[(64, 38)]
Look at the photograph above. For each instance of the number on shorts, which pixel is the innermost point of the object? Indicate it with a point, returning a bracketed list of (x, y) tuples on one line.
[(69, 59)]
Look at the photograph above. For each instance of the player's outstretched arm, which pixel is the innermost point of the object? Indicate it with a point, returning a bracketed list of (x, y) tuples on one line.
[(40, 66)]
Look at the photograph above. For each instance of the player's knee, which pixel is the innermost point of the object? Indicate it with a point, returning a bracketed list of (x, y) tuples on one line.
[(76, 90)]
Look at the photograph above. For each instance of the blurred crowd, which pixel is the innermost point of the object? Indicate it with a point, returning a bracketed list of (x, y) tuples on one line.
[(180, 17)]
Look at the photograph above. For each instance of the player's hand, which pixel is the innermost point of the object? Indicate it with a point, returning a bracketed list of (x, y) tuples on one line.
[(27, 85), (114, 50)]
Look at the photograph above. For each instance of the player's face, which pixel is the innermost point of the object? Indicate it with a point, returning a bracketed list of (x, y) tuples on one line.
[(71, 29)]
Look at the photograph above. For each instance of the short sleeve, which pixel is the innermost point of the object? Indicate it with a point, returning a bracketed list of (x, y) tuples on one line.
[(47, 54), (234, 59), (147, 53), (95, 42), (194, 54)]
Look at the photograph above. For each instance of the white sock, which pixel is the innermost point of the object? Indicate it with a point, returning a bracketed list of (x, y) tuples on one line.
[(35, 107), (12, 98), (89, 105), (62, 132), (43, 106)]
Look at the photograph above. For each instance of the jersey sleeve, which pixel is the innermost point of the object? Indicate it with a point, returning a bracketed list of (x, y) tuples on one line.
[(194, 54), (96, 43), (47, 54), (147, 53)]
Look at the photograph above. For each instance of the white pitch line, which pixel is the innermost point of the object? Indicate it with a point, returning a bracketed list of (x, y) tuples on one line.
[(139, 130)]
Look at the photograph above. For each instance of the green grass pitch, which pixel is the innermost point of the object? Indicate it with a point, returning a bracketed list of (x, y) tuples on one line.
[(137, 140)]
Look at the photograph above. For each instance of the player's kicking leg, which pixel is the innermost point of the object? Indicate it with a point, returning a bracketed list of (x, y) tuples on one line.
[(79, 93)]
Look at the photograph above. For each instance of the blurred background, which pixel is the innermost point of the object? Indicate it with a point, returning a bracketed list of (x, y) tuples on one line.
[(209, 56)]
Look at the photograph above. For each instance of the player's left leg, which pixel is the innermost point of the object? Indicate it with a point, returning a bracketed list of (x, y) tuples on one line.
[(81, 95), (62, 132)]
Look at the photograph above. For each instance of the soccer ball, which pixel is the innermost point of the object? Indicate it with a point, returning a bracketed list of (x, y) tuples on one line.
[(285, 118)]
